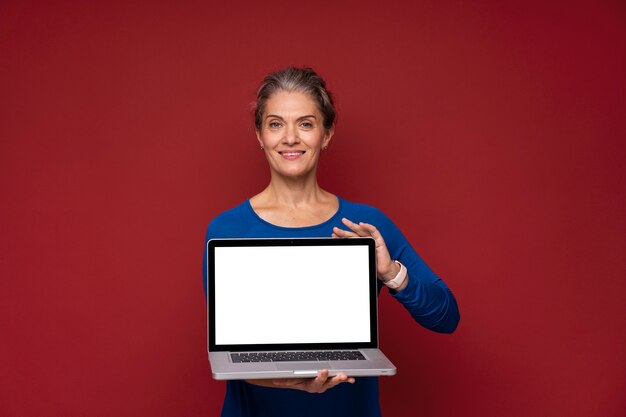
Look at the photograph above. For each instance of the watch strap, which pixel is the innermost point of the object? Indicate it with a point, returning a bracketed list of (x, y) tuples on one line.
[(399, 278)]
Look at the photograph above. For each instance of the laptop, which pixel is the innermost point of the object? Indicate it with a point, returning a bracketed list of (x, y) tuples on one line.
[(288, 308)]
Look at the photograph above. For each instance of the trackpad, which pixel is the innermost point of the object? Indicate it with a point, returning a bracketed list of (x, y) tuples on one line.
[(305, 366)]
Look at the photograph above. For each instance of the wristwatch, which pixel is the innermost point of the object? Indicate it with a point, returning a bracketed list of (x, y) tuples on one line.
[(399, 279)]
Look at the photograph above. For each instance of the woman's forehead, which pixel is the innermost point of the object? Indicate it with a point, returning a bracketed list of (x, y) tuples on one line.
[(291, 102)]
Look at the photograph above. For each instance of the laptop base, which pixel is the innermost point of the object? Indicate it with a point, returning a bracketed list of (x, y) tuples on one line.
[(377, 364)]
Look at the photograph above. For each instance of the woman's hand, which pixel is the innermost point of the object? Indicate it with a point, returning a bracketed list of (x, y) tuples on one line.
[(387, 269), (316, 385)]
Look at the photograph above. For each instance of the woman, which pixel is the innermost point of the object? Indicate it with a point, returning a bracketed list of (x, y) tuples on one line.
[(295, 121)]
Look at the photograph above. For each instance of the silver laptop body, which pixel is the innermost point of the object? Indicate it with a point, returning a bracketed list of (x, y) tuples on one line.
[(288, 308)]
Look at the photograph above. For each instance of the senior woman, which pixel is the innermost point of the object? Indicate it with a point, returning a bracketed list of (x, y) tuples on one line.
[(295, 121)]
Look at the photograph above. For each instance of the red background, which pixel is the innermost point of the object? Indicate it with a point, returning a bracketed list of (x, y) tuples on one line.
[(492, 134)]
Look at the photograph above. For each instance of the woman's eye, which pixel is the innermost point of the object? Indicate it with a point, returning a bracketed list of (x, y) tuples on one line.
[(274, 125), (306, 125)]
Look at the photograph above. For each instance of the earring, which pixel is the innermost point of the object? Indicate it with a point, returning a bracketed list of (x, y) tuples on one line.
[(324, 147), (262, 148)]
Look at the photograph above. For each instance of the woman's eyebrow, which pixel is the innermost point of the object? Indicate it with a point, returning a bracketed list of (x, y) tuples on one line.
[(307, 116)]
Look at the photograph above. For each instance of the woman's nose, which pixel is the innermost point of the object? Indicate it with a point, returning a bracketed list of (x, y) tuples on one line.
[(291, 135)]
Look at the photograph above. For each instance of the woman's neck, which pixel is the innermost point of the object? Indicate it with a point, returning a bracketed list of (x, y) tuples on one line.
[(292, 193), (294, 204)]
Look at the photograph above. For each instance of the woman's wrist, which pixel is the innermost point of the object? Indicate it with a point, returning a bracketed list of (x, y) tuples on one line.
[(399, 282), (392, 272)]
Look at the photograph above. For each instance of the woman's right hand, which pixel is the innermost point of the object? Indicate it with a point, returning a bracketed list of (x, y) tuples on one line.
[(317, 385)]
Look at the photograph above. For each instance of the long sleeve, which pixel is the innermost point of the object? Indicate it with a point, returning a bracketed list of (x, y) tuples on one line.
[(431, 304)]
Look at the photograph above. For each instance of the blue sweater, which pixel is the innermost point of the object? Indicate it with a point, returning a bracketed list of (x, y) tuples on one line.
[(426, 297)]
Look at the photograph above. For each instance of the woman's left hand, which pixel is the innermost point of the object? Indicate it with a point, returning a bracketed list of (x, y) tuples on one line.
[(387, 269)]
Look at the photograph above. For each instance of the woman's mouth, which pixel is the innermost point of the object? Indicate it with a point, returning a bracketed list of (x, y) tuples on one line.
[(291, 155)]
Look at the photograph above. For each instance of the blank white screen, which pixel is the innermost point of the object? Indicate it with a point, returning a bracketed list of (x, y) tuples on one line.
[(291, 294)]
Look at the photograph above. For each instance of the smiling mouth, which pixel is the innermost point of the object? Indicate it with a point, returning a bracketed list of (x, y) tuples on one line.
[(292, 154)]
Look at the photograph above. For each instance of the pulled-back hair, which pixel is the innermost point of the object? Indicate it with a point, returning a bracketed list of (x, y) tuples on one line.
[(293, 79)]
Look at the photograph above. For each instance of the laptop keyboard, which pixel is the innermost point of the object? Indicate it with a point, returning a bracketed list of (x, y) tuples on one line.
[(339, 355)]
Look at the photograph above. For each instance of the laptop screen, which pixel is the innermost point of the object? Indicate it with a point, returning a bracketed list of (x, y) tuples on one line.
[(291, 293)]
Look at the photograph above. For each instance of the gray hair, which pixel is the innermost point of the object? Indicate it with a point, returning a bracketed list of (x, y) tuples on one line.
[(292, 79)]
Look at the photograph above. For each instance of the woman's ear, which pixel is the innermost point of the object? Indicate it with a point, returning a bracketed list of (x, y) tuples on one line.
[(258, 137), (328, 136)]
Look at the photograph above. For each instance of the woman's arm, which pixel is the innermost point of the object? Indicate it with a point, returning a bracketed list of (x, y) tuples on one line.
[(423, 294)]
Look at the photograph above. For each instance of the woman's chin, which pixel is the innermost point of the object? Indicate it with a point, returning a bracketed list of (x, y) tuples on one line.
[(295, 174)]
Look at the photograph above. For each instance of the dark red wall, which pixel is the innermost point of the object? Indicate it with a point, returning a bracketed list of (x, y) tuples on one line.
[(492, 134)]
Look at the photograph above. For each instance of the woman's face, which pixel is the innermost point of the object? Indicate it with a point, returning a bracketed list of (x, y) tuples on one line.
[(292, 134)]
